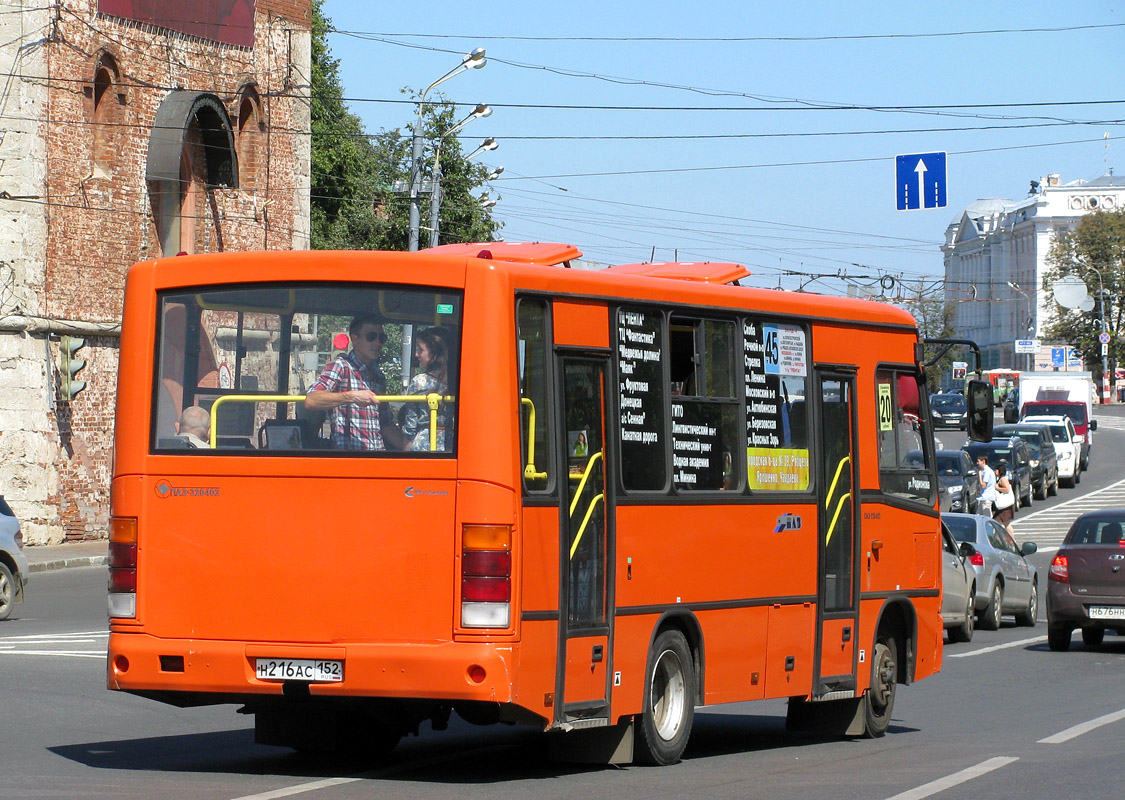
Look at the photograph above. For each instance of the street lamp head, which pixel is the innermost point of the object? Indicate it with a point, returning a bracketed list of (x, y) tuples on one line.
[(494, 174), (482, 110), (489, 144), (475, 59)]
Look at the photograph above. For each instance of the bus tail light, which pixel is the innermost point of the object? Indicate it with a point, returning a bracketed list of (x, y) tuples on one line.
[(123, 567), (1060, 569), (486, 576)]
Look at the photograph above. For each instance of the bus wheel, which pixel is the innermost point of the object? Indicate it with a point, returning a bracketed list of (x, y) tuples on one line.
[(879, 701), (669, 703)]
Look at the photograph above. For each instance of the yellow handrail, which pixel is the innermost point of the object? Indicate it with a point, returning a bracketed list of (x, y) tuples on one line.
[(433, 399), (585, 521), (529, 472), (245, 398), (832, 525), (832, 488), (582, 483)]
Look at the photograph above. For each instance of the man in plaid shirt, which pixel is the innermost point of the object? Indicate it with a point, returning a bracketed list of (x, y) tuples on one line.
[(348, 389)]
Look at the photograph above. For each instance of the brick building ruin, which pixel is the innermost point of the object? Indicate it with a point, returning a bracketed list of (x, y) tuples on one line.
[(131, 131)]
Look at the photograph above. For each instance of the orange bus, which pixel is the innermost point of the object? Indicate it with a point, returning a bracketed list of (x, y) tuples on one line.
[(622, 494)]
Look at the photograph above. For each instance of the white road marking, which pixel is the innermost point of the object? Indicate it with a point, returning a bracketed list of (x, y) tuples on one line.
[(103, 634), (1085, 727), (67, 653), (300, 788), (995, 647), (30, 644), (956, 779)]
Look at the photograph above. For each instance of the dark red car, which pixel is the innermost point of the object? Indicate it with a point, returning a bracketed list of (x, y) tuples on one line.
[(1086, 581)]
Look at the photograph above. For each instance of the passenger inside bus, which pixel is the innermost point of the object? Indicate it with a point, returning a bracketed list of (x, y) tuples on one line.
[(348, 390), (194, 427), (431, 352)]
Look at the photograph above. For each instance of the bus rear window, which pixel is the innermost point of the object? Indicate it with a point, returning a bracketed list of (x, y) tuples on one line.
[(317, 369)]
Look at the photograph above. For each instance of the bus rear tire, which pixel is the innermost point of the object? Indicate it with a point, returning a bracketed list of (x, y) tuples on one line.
[(669, 701), (879, 702)]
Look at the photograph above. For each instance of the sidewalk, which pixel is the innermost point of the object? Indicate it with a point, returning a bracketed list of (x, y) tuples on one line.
[(70, 554)]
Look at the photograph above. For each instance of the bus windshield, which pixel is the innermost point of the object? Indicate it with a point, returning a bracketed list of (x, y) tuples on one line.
[(316, 368)]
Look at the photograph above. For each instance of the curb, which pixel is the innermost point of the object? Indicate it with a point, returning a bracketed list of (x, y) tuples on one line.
[(64, 563)]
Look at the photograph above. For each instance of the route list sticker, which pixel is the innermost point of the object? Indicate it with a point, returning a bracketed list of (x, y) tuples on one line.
[(642, 398), (775, 360)]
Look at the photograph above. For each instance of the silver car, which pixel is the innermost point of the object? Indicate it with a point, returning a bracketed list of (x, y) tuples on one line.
[(13, 563), (1007, 583), (959, 587)]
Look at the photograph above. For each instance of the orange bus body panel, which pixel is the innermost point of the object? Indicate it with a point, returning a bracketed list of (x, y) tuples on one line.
[(360, 559)]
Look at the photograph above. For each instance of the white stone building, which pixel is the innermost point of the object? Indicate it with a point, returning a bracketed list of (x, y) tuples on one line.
[(995, 256)]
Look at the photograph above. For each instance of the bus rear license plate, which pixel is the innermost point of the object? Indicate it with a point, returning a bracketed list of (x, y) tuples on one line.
[(299, 669), (1107, 612)]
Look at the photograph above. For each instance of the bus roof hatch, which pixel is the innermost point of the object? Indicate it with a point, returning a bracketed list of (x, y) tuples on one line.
[(546, 254), (701, 271)]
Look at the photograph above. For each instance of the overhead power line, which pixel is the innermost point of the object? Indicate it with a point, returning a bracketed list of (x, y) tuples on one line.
[(737, 39)]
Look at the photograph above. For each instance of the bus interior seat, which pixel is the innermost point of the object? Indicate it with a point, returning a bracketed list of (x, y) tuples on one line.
[(173, 443), (234, 441)]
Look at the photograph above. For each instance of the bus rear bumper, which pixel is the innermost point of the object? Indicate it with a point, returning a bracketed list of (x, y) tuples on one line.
[(145, 664)]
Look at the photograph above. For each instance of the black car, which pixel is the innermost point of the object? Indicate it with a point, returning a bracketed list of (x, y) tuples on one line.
[(1044, 458), (1013, 452), (949, 411), (1012, 406), (960, 484)]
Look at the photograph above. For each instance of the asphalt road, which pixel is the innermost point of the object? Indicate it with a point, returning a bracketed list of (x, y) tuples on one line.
[(1006, 718)]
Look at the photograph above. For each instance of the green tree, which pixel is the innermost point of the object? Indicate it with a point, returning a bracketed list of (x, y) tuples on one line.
[(354, 204), (934, 316), (1095, 252)]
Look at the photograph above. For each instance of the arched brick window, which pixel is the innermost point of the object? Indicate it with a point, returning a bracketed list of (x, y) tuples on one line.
[(251, 137), (108, 101)]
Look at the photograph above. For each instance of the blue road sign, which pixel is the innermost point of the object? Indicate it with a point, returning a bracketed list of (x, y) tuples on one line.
[(1057, 356), (920, 180)]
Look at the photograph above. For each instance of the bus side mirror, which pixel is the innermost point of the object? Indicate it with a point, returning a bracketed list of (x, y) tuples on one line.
[(966, 550), (1093, 424), (978, 398)]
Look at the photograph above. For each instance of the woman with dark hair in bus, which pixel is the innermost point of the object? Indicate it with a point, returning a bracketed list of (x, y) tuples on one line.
[(432, 354)]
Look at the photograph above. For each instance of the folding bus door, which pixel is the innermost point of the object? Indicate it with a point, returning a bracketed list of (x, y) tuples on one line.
[(838, 500), (585, 578)]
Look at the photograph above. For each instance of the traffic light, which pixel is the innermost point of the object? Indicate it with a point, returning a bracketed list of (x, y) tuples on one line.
[(69, 367), (341, 342)]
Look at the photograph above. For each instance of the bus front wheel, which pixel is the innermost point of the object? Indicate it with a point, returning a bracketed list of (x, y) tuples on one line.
[(879, 701), (669, 701)]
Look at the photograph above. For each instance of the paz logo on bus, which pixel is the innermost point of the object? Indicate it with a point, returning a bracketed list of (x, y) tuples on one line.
[(788, 522), (165, 489)]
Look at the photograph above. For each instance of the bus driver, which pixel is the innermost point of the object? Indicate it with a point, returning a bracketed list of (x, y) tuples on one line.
[(348, 390)]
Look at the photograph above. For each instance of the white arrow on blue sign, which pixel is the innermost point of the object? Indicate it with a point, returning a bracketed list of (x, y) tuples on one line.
[(920, 179)]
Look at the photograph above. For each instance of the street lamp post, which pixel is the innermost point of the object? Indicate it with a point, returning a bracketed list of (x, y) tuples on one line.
[(1105, 329), (481, 110), (1030, 317), (473, 60)]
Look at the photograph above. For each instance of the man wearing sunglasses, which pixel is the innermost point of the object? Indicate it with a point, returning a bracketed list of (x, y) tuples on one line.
[(348, 390)]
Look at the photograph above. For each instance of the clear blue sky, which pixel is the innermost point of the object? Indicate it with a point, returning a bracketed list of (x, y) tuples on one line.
[(767, 179)]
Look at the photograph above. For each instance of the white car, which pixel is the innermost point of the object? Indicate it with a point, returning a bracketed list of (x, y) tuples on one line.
[(1067, 444)]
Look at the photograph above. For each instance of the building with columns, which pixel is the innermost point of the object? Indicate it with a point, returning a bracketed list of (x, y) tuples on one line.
[(995, 258), (131, 131)]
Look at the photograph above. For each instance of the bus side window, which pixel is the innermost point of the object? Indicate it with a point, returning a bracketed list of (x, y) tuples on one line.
[(705, 416), (905, 441), (533, 346)]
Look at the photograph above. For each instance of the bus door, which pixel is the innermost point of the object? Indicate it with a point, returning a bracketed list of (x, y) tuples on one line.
[(838, 499), (585, 580)]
